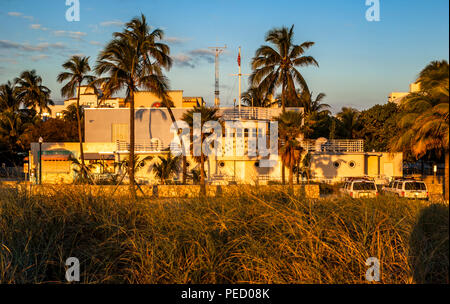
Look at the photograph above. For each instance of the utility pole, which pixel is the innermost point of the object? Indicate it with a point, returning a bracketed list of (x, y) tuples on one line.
[(218, 50)]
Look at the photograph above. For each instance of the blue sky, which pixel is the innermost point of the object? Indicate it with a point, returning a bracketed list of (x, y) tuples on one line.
[(360, 62)]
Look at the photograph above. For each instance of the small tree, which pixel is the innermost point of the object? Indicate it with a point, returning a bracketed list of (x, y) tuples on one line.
[(166, 167)]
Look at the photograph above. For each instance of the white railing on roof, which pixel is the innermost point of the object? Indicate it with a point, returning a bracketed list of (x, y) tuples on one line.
[(334, 145), (123, 146), (249, 113)]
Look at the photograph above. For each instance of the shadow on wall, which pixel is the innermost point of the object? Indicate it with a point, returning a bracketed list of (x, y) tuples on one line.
[(429, 246)]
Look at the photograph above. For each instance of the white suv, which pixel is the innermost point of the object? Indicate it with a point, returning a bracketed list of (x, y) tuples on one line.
[(360, 188), (410, 189)]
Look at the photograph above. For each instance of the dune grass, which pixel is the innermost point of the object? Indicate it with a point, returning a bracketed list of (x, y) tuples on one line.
[(268, 237)]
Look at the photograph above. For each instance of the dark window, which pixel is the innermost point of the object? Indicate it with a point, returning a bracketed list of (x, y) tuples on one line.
[(415, 186), (364, 186)]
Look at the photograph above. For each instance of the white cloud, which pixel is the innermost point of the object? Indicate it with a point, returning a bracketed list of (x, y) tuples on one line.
[(38, 27), (96, 43), (39, 57), (183, 60), (43, 46), (17, 14), (175, 40), (70, 34), (112, 23)]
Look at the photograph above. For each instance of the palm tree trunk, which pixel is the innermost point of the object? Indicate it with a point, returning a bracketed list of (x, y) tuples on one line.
[(80, 135), (202, 175), (291, 170), (283, 101), (132, 145), (283, 173), (446, 179), (184, 169)]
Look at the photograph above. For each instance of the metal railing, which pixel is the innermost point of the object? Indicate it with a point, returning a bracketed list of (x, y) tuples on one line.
[(123, 146), (334, 145), (249, 113)]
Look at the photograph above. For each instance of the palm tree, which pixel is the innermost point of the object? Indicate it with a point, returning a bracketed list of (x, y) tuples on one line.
[(311, 105), (255, 97), (32, 93), (349, 120), (12, 129), (166, 167), (8, 97), (424, 119), (275, 67), (77, 69), (134, 60), (288, 124), (70, 113), (207, 114)]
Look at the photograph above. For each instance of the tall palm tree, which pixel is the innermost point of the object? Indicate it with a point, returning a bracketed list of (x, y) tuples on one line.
[(275, 67), (349, 119), (77, 69), (424, 118), (434, 80), (289, 131), (32, 93), (8, 97), (131, 61), (166, 167), (207, 114)]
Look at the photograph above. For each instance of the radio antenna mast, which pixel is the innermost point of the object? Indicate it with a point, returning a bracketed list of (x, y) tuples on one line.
[(218, 50)]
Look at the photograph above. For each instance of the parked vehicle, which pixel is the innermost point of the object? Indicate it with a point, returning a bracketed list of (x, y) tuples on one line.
[(360, 188), (411, 189)]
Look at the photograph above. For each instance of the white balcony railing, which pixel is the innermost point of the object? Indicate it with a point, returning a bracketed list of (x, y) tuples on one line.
[(334, 145)]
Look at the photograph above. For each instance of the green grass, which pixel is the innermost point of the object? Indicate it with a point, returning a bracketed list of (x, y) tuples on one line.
[(257, 237)]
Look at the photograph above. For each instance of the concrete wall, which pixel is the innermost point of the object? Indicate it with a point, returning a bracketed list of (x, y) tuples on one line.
[(335, 167), (149, 122)]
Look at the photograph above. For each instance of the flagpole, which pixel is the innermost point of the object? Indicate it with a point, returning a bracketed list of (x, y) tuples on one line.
[(240, 76)]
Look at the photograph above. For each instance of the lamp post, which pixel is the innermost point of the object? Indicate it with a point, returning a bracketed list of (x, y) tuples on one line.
[(434, 173), (41, 141)]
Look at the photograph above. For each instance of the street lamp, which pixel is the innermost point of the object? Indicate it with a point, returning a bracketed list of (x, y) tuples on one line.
[(41, 141), (434, 173)]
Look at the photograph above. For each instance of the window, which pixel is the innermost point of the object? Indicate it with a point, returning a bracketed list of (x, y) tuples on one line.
[(399, 186), (364, 186), (352, 164), (336, 164), (415, 186)]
